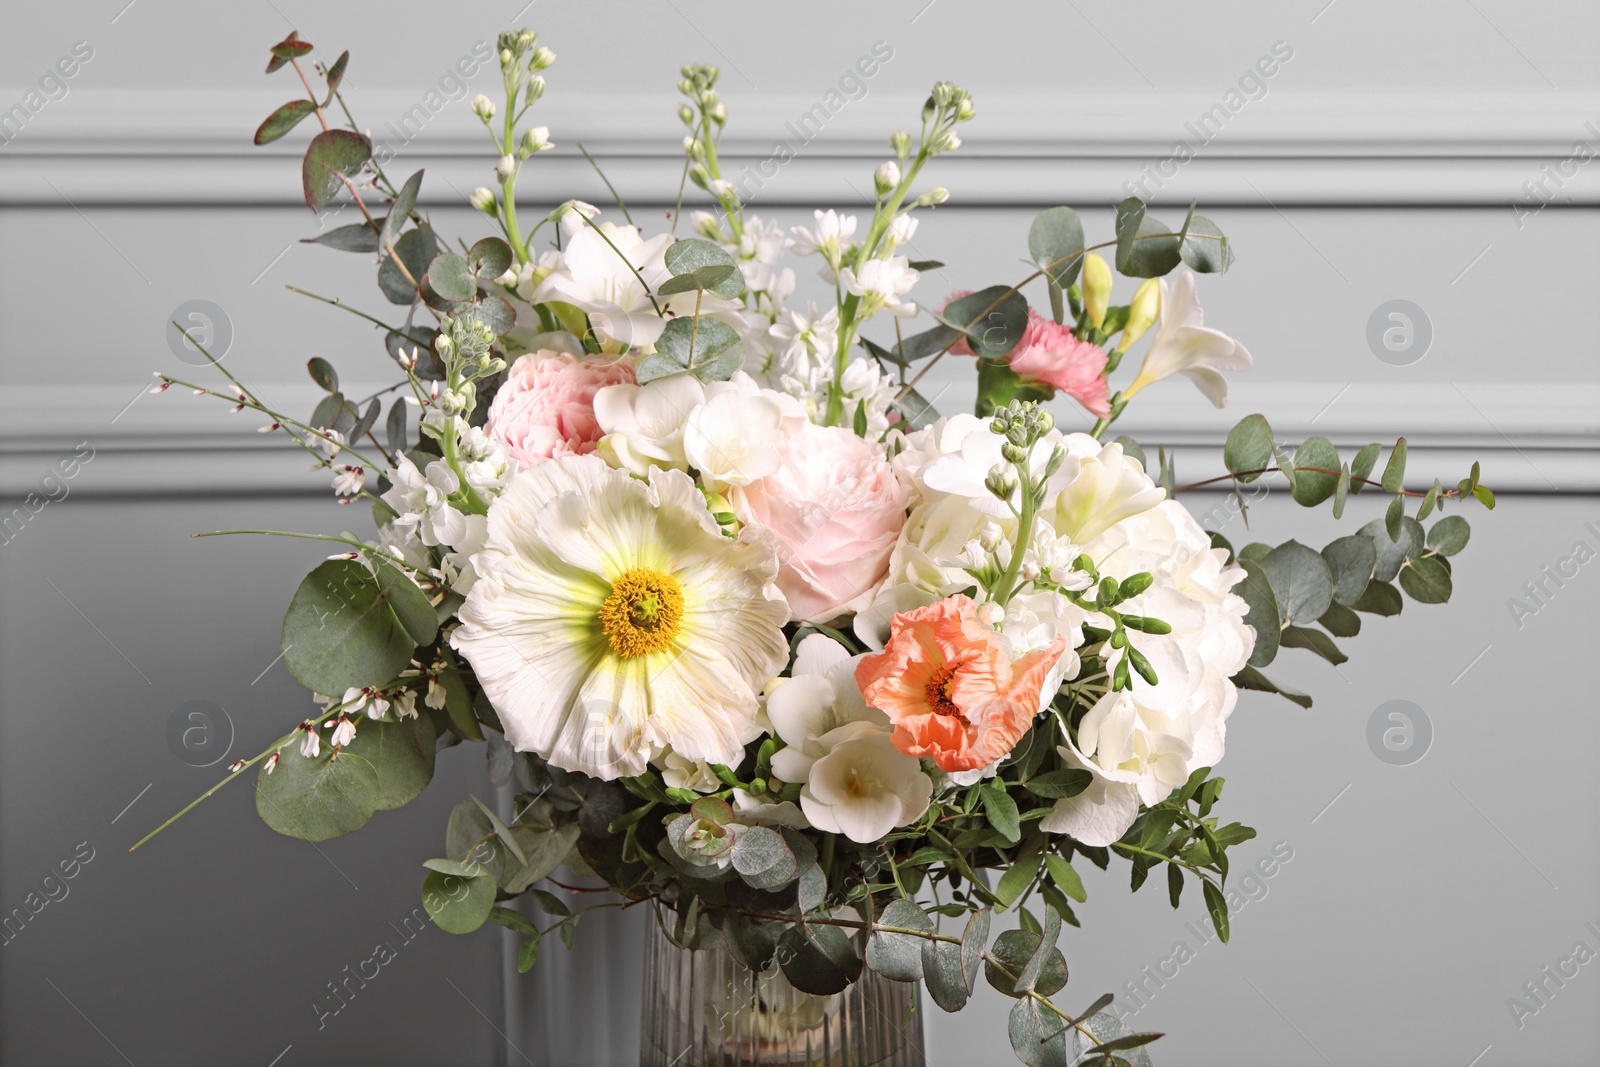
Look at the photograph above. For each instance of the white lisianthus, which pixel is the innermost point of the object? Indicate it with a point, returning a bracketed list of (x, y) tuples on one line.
[(1184, 346), (611, 617), (881, 283)]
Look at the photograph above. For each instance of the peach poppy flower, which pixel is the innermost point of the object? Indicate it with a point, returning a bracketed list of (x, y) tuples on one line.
[(950, 687)]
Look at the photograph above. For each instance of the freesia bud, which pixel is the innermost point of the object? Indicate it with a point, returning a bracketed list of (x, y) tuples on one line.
[(1142, 312), (483, 199), (886, 177), (483, 107), (1096, 288)]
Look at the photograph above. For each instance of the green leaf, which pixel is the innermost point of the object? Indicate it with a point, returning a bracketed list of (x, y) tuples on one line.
[(1205, 249), (915, 411), (1301, 581), (689, 254), (1449, 535), (400, 212), (992, 320), (1174, 884), (394, 430), (1066, 782), (1001, 811), (357, 237), (899, 956), (1393, 551), (291, 47), (348, 627), (493, 311), (706, 278), (1263, 615), (1361, 466), (283, 120), (450, 278), (457, 904), (416, 249), (1309, 637), (1311, 487), (1062, 874), (1142, 250), (1055, 241), (1017, 877), (1012, 950), (546, 850), (762, 858), (333, 156), (316, 799), (1430, 500), (1031, 973), (1426, 580), (711, 351), (1394, 472), (1217, 905), (974, 939), (489, 258), (514, 921), (335, 75), (1350, 561), (817, 959), (1340, 621), (1037, 1037), (528, 954), (1250, 678), (1249, 448), (943, 975), (1379, 598), (401, 754), (323, 374)]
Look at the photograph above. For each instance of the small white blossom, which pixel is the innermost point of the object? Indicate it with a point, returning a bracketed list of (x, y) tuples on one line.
[(310, 743), (344, 732), (483, 107)]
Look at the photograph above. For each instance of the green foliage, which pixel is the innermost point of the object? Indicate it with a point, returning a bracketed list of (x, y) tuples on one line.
[(697, 264), (1146, 248), (333, 157), (992, 320), (1055, 241), (349, 627), (707, 348)]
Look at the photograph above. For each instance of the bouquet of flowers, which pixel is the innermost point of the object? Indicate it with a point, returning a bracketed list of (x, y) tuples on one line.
[(767, 644)]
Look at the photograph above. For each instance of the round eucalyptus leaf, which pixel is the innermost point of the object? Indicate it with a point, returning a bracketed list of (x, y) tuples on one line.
[(992, 320), (1248, 450), (1301, 581), (1263, 616), (1205, 249), (1426, 580), (332, 156), (401, 754), (1312, 487), (489, 258), (817, 959), (894, 955), (416, 249), (1449, 535), (450, 278), (1055, 241), (1013, 949), (458, 904), (316, 798), (350, 627), (1350, 560)]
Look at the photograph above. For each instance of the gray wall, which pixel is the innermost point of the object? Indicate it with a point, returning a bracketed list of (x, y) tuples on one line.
[(1387, 160)]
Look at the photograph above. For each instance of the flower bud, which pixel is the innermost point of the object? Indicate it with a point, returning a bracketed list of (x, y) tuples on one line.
[(535, 140), (686, 87), (541, 58), (965, 110), (990, 536), (506, 58), (719, 114), (1001, 481), (991, 614), (721, 188), (535, 89), (900, 143), (937, 195), (1142, 312), (886, 177), (1013, 452), (483, 199), (1028, 571), (483, 107), (699, 175), (686, 114), (1096, 288), (506, 167)]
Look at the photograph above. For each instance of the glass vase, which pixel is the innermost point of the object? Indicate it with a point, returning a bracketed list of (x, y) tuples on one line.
[(703, 1008)]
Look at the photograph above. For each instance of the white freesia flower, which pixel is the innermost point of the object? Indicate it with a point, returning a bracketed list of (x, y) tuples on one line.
[(1107, 486), (733, 437), (611, 617), (881, 283), (864, 787), (1184, 346), (678, 772), (572, 214), (963, 470), (643, 424), (820, 700)]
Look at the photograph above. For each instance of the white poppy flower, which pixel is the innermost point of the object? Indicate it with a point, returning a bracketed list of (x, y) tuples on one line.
[(1183, 346)]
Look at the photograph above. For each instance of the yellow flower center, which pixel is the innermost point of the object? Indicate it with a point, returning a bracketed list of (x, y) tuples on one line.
[(643, 612)]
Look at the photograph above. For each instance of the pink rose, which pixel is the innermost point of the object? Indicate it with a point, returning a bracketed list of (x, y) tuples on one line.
[(835, 509), (1049, 355), (546, 406)]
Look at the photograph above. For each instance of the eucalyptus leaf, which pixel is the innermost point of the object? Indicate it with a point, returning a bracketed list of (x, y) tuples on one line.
[(1011, 951), (416, 248), (400, 211), (356, 237), (1449, 535), (1301, 582), (348, 627), (992, 320), (316, 798), (1393, 551), (1309, 637), (283, 120), (689, 254), (1312, 487), (1205, 249), (458, 905), (332, 156), (1263, 615), (1379, 598), (1248, 450), (894, 955), (1350, 560), (817, 958), (707, 348), (1426, 580), (1055, 241), (489, 258), (1250, 678)]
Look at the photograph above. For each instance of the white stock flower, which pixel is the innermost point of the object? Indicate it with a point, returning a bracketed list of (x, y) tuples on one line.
[(1184, 346), (832, 234), (881, 283), (422, 502), (901, 230), (759, 252)]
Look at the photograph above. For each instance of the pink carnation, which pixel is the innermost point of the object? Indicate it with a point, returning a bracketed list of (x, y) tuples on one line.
[(835, 509), (1048, 354), (546, 406)]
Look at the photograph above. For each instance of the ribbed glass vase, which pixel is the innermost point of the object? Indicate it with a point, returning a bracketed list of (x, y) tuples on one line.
[(703, 1008)]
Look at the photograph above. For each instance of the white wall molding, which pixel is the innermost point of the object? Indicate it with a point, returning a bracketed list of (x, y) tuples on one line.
[(1528, 437), (1425, 149)]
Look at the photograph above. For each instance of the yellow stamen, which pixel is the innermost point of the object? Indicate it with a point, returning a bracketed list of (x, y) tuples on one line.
[(643, 612)]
